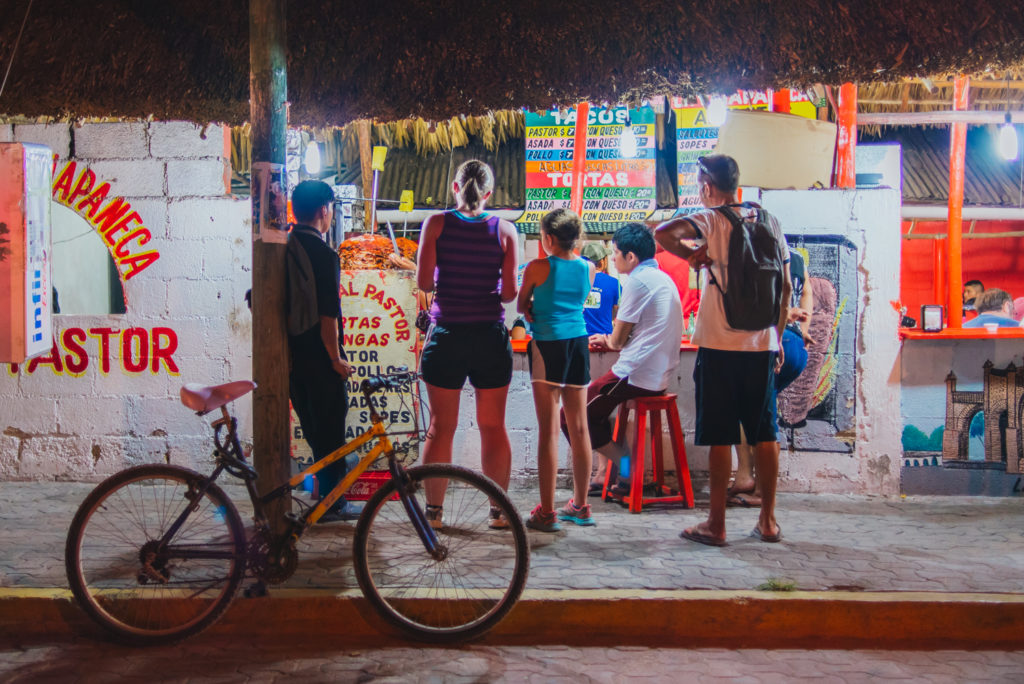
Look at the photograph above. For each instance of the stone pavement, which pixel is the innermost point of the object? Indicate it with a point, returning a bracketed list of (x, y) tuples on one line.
[(208, 660), (832, 543)]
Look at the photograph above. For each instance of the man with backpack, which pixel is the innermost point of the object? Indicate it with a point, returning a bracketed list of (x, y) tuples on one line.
[(742, 315)]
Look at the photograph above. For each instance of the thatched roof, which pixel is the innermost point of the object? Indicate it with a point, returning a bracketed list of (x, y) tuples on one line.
[(393, 59)]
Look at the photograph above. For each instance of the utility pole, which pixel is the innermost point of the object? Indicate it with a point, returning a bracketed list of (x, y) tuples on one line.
[(268, 116)]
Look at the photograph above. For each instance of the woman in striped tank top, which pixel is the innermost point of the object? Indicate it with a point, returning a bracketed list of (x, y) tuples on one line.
[(552, 297), (467, 258)]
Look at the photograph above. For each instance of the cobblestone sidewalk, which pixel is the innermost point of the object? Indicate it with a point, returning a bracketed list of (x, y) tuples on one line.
[(945, 544)]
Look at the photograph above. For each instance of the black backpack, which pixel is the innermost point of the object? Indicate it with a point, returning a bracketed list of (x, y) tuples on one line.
[(753, 298)]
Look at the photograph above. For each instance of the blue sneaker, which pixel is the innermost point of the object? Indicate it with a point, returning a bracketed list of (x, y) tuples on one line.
[(542, 522), (347, 510), (576, 514)]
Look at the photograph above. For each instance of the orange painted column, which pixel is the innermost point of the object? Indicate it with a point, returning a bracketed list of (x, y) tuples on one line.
[(579, 157), (954, 242), (846, 138)]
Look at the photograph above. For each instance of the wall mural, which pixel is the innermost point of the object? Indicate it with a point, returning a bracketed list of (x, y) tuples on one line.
[(979, 448), (817, 411)]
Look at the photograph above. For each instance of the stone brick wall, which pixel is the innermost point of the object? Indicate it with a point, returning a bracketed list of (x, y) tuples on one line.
[(61, 422)]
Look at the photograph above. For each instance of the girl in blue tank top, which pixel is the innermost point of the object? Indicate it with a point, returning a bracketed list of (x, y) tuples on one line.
[(551, 297)]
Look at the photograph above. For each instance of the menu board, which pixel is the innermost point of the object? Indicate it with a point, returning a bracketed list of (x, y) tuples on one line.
[(616, 189), (697, 137), (379, 311)]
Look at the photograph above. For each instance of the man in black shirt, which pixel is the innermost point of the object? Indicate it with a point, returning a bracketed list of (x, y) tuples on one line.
[(319, 369)]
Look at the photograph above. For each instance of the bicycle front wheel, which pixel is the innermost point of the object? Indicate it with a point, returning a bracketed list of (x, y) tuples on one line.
[(467, 587), (139, 585)]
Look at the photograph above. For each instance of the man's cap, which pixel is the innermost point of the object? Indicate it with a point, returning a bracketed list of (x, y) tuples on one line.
[(594, 251)]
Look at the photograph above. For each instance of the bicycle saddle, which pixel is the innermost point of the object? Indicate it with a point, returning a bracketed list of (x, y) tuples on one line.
[(202, 398)]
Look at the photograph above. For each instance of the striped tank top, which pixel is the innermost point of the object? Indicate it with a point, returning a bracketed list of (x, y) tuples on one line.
[(467, 279)]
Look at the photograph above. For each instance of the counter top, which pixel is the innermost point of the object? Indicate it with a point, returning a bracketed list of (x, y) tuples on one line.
[(962, 334), (684, 345)]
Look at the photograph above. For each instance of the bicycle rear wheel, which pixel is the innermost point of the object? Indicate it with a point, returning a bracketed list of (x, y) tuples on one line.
[(461, 595), (142, 591)]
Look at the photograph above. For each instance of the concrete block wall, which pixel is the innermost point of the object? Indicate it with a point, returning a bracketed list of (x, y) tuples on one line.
[(58, 424)]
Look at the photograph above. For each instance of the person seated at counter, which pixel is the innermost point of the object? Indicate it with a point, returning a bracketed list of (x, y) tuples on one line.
[(993, 306), (972, 288)]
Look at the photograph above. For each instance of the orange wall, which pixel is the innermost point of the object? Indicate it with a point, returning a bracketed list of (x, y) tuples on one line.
[(997, 262)]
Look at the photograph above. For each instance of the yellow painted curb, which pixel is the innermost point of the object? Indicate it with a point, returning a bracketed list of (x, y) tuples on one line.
[(679, 618)]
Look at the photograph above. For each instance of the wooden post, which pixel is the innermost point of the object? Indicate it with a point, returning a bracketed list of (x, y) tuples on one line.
[(268, 115), (954, 245), (366, 172), (846, 141), (579, 158)]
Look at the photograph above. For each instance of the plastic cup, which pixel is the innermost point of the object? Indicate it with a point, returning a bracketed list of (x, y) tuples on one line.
[(992, 327)]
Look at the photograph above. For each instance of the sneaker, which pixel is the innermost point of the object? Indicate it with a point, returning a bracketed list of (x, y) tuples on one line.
[(542, 522), (577, 514), (498, 521), (346, 510), (434, 516)]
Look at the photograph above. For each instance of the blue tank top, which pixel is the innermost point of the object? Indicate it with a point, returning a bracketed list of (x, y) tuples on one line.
[(558, 301), (467, 279)]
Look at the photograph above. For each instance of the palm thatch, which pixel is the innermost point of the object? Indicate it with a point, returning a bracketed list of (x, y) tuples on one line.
[(391, 60)]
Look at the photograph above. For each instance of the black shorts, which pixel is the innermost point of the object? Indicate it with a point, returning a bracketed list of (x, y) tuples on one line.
[(480, 352), (565, 363), (732, 389)]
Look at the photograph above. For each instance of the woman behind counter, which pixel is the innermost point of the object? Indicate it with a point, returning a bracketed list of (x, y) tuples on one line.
[(467, 258)]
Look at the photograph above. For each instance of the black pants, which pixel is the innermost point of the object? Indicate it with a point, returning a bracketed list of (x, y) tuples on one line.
[(320, 399)]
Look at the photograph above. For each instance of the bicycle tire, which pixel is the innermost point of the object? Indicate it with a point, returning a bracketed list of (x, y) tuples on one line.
[(170, 597), (463, 595)]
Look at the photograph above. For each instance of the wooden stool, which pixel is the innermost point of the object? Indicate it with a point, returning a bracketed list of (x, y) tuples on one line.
[(651, 407)]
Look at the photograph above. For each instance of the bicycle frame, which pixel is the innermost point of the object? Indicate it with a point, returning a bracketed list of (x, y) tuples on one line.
[(234, 455)]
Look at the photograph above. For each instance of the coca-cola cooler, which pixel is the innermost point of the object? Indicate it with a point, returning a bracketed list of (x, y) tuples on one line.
[(25, 286)]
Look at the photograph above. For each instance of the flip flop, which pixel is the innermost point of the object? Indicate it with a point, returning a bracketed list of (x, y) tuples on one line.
[(741, 501), (706, 539), (733, 490), (596, 488), (769, 538)]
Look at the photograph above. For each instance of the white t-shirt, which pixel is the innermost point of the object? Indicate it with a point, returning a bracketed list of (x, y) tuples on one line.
[(711, 329), (650, 301)]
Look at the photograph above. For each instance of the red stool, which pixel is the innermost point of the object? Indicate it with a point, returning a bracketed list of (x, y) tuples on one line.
[(651, 407)]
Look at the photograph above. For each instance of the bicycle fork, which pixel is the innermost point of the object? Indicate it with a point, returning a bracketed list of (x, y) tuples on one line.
[(417, 516)]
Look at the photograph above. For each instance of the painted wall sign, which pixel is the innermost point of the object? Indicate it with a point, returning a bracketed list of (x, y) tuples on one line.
[(696, 136), (76, 187), (615, 189), (136, 350), (378, 308)]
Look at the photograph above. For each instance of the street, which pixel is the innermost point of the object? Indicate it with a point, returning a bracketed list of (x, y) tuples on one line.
[(220, 659)]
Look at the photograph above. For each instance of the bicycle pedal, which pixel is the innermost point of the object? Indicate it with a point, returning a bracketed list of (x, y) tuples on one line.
[(256, 590)]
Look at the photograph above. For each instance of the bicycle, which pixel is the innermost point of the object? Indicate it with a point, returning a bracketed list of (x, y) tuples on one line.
[(157, 552)]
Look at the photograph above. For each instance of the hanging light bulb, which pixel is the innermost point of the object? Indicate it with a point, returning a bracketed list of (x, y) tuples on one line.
[(312, 158), (627, 140), (1008, 146), (717, 109)]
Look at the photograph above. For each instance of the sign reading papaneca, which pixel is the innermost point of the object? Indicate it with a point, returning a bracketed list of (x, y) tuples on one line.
[(25, 290), (618, 185), (378, 310)]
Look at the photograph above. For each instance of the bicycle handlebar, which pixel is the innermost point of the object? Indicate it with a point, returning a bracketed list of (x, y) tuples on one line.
[(387, 381)]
